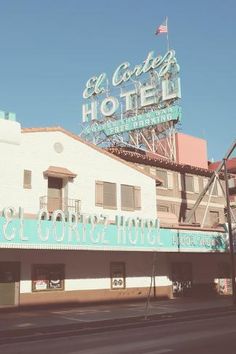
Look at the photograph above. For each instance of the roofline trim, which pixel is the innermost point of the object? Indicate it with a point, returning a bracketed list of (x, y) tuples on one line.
[(77, 138)]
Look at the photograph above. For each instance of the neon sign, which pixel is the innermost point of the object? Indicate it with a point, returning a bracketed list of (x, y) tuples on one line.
[(140, 121), (94, 232), (162, 86)]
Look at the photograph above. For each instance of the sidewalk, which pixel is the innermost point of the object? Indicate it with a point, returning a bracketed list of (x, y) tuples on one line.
[(31, 319)]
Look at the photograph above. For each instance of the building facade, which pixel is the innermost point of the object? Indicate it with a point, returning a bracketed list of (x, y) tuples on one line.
[(79, 224), (181, 185)]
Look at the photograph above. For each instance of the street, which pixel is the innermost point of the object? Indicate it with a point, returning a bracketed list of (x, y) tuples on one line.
[(215, 334)]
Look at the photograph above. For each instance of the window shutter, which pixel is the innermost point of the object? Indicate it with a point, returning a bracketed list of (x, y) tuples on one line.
[(170, 180), (205, 181), (180, 181), (99, 193), (196, 184), (109, 195), (127, 197), (27, 179), (137, 198)]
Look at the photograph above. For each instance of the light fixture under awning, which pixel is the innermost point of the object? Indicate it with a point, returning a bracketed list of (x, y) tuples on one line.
[(60, 172)]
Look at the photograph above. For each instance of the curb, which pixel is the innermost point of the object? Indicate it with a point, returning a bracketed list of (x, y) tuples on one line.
[(39, 332)]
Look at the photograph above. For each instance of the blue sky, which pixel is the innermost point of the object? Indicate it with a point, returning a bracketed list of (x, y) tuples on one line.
[(50, 48)]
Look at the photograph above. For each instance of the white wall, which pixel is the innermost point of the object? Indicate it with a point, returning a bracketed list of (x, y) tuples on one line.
[(90, 270), (36, 153)]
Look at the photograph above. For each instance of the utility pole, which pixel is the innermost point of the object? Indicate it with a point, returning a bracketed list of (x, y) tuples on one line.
[(231, 241)]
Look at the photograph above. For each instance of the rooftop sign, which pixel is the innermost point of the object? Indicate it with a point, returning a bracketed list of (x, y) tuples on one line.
[(140, 121), (154, 82)]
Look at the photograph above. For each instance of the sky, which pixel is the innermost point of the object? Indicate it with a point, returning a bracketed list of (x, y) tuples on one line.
[(50, 48)]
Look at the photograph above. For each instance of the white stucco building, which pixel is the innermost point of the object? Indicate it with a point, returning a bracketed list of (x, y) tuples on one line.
[(96, 236), (53, 169)]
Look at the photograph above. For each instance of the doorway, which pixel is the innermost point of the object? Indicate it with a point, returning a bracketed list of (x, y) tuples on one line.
[(55, 186), (9, 283), (181, 278)]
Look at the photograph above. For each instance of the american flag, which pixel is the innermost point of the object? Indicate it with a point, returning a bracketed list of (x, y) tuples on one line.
[(162, 28)]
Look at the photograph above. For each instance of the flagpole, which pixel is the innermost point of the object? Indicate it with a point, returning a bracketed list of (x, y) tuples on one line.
[(167, 35)]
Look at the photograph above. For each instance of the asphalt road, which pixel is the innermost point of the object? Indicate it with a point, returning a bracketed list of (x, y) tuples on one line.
[(198, 336)]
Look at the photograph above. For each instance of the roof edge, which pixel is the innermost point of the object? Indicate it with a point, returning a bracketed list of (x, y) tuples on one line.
[(76, 137)]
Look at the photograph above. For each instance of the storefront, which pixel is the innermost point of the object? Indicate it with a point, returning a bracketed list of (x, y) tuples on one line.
[(49, 261)]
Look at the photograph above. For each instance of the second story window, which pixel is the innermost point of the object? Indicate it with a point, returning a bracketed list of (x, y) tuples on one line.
[(164, 208), (163, 176), (188, 183), (215, 189), (130, 197), (105, 195), (27, 179), (166, 177)]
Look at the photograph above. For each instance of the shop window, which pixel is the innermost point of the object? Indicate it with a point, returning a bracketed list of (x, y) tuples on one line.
[(117, 270), (27, 179), (48, 277), (105, 195), (224, 278), (130, 197)]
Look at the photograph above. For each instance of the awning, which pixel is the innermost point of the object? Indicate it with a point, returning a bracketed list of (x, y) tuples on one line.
[(60, 172)]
